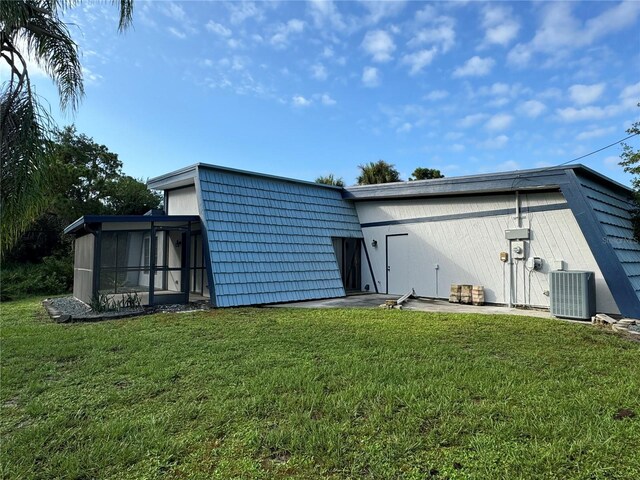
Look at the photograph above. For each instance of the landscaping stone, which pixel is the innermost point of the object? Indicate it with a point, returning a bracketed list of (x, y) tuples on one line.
[(627, 321), (70, 309)]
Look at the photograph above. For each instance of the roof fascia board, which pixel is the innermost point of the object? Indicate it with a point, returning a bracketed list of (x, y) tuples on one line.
[(99, 219), (177, 178), (461, 185), (609, 264), (264, 175), (204, 228)]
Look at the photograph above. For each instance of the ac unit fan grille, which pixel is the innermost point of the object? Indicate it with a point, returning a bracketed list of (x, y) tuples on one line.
[(572, 294)]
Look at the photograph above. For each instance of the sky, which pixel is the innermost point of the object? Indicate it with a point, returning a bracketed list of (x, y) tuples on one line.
[(302, 89)]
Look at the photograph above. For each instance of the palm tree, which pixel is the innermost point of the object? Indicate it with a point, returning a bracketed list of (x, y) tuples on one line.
[(377, 172), (33, 27), (330, 180)]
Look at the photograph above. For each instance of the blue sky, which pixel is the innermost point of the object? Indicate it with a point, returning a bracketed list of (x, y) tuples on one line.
[(302, 89)]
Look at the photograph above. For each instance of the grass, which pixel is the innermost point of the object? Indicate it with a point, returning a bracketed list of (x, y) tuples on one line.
[(284, 393)]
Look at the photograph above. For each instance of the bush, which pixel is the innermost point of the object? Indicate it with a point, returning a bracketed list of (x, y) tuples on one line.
[(54, 276)]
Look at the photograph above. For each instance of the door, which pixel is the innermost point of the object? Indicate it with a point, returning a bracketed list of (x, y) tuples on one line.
[(170, 266), (348, 256), (398, 264)]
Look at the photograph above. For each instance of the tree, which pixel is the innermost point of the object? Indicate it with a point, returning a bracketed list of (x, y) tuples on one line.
[(630, 161), (130, 196), (630, 157), (377, 172), (34, 27), (330, 180), (87, 179), (421, 173)]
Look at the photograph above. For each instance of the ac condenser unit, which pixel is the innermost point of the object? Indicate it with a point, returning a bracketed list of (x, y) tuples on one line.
[(573, 294)]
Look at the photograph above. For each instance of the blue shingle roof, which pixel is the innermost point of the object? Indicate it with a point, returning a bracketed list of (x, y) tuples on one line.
[(270, 238), (613, 210)]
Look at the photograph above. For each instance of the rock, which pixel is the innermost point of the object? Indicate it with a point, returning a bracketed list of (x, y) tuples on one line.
[(627, 321), (62, 318)]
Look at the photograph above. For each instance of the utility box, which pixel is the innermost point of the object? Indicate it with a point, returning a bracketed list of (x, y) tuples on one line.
[(517, 234), (517, 250), (572, 294)]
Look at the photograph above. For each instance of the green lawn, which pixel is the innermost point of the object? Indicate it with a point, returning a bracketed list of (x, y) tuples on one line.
[(281, 393)]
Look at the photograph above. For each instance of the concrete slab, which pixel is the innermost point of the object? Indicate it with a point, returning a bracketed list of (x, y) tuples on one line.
[(373, 300)]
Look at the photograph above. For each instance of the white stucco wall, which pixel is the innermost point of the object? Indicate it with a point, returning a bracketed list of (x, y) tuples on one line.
[(467, 250), (182, 201)]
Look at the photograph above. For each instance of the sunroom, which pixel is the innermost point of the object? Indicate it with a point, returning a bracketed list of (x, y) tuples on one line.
[(154, 259)]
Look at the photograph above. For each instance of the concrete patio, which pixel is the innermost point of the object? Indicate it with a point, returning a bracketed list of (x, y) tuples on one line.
[(372, 300)]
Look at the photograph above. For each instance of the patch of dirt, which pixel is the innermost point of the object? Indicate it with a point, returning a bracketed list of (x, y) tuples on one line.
[(624, 413), (280, 457), (122, 384), (11, 403)]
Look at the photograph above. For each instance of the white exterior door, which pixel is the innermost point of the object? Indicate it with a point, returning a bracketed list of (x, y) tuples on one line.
[(398, 265)]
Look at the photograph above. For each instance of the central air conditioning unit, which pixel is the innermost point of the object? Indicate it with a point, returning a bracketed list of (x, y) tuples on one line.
[(573, 294)]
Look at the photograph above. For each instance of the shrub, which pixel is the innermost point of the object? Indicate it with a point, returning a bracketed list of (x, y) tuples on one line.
[(53, 276)]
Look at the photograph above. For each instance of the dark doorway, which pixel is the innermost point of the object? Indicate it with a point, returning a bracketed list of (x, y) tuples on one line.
[(348, 255)]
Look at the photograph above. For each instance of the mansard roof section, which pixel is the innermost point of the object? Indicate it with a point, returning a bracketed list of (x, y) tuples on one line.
[(187, 175), (533, 179)]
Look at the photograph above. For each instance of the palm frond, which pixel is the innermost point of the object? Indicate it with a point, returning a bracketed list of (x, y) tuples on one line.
[(24, 149)]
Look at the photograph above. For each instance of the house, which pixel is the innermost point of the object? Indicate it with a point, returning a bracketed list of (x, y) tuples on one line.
[(244, 238)]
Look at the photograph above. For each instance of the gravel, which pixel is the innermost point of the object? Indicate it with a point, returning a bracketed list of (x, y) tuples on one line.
[(65, 309)]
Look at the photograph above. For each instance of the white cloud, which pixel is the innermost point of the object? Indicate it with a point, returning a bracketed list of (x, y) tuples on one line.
[(418, 60), (34, 69), (436, 95), (475, 67), (370, 77), (325, 12), (379, 45), (174, 11), (551, 93), (300, 101), (457, 147), (502, 93), (560, 32), (500, 27), (241, 11), (327, 100), (611, 162), (572, 114), (509, 165), (499, 121), (520, 55), (319, 72), (404, 128), (327, 52), (594, 133), (630, 95), (471, 120), (89, 76), (177, 33), (532, 108), (443, 36), (426, 14), (453, 135), (280, 39), (218, 29), (378, 10), (495, 143), (585, 94)]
